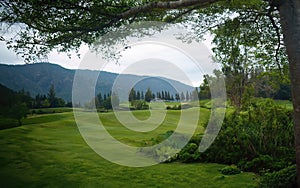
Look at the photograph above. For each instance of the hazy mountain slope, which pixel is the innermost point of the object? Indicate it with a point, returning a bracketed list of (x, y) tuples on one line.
[(37, 78)]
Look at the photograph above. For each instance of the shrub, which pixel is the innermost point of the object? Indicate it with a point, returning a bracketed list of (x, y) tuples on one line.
[(283, 178), (139, 105), (259, 163), (230, 170), (257, 139), (262, 131), (175, 107), (189, 153)]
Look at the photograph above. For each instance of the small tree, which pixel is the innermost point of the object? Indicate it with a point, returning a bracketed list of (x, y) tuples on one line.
[(18, 111), (187, 96), (51, 96), (182, 97), (132, 95), (148, 95)]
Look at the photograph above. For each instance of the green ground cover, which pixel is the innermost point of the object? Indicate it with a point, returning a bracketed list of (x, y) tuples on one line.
[(48, 151)]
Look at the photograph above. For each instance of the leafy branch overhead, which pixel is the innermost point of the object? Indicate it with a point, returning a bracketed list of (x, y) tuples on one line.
[(34, 28)]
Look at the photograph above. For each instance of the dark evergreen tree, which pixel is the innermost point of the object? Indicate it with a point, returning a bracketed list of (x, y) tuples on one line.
[(132, 95), (182, 97), (148, 95), (158, 95), (172, 98), (138, 95), (51, 96), (177, 97), (187, 96), (142, 96), (99, 100)]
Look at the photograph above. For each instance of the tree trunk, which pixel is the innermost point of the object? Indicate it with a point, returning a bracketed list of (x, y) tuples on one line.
[(290, 21)]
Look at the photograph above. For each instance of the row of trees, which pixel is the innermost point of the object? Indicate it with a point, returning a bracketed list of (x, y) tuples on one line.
[(149, 95), (242, 86), (16, 105), (106, 101), (49, 101), (163, 95)]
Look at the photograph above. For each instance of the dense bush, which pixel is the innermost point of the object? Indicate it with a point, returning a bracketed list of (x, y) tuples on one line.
[(263, 129), (257, 164), (175, 107), (139, 105), (283, 178), (230, 170), (258, 139), (189, 153)]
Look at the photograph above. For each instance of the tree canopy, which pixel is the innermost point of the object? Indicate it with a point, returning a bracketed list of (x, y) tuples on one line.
[(42, 26)]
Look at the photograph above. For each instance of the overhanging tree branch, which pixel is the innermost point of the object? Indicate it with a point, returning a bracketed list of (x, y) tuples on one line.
[(278, 35), (165, 5)]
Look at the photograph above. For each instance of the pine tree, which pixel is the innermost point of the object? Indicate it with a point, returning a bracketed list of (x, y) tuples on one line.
[(182, 97), (187, 96), (148, 95), (52, 96)]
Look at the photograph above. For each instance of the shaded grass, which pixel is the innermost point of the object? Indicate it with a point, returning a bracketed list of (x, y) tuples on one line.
[(48, 151), (50, 110), (6, 123)]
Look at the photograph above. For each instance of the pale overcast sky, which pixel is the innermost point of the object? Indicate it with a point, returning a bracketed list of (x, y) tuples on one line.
[(159, 55)]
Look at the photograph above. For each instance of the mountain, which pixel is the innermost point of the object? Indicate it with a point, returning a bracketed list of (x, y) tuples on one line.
[(37, 79)]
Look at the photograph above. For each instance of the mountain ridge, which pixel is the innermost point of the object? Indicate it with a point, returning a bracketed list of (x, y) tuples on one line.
[(38, 77)]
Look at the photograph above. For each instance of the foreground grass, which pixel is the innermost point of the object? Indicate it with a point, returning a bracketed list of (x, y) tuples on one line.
[(48, 151), (116, 129)]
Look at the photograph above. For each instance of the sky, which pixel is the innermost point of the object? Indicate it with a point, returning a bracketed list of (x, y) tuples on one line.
[(159, 55)]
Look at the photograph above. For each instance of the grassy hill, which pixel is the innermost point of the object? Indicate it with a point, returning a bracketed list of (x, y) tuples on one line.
[(48, 151)]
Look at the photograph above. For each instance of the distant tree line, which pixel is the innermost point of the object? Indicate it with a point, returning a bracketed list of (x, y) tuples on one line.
[(255, 83), (163, 95), (49, 101), (16, 105), (104, 101)]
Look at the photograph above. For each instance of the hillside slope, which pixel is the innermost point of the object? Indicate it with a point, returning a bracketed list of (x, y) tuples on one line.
[(37, 78)]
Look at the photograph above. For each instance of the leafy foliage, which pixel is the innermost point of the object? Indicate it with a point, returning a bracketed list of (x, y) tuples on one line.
[(285, 177), (13, 105), (258, 139), (140, 105), (230, 170)]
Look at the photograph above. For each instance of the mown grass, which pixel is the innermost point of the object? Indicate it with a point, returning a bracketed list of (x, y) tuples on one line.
[(48, 151), (116, 129)]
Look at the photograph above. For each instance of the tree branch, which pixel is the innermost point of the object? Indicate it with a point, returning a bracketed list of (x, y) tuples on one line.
[(165, 5), (183, 13), (277, 30)]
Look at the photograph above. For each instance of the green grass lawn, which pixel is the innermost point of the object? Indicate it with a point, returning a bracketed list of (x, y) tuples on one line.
[(120, 132), (48, 151)]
